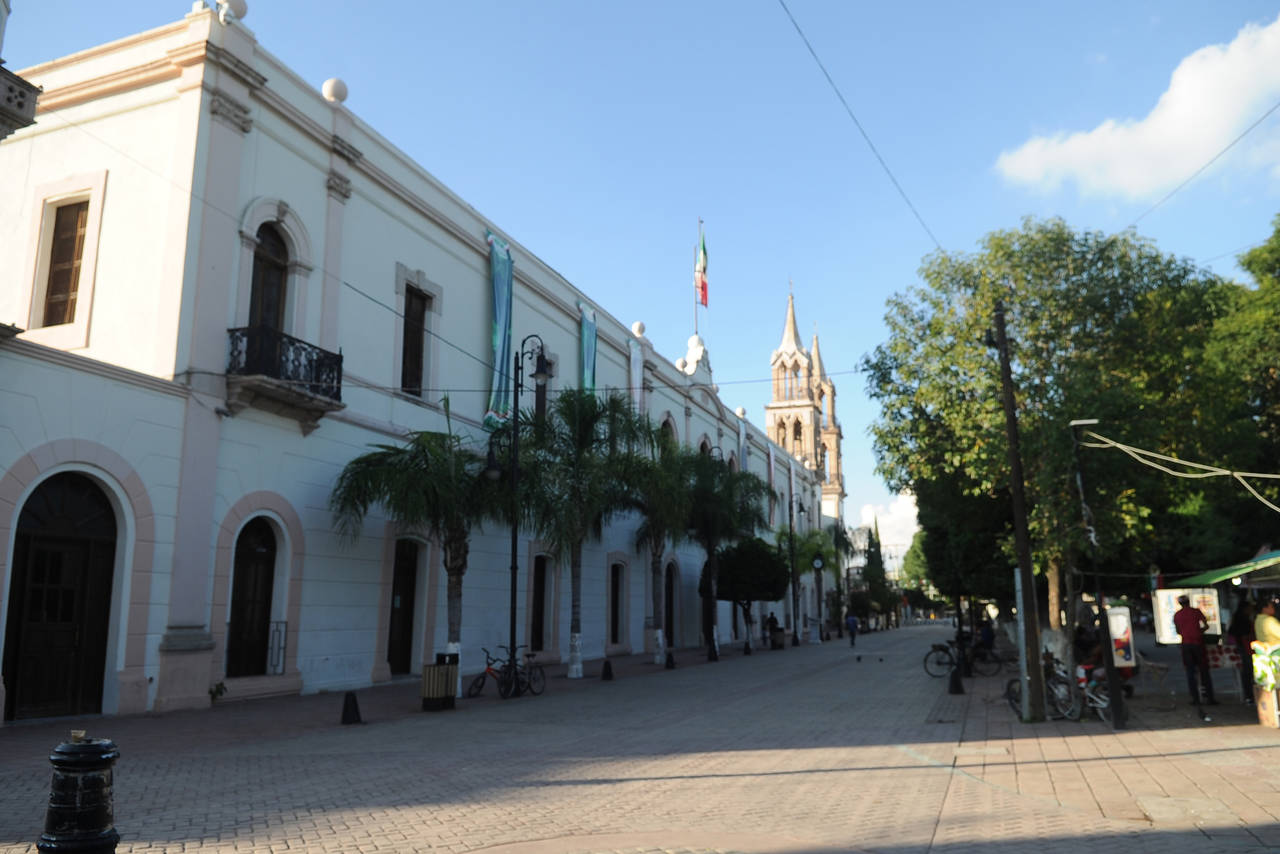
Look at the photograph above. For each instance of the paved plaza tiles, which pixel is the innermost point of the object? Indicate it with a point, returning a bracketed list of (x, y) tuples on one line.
[(803, 750)]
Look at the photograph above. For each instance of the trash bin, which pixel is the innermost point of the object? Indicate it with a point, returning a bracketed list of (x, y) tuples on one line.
[(439, 682), (778, 639)]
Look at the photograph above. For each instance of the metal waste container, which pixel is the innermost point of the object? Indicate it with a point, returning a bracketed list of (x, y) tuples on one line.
[(440, 682)]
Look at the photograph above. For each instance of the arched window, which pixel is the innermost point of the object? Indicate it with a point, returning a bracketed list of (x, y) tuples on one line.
[(249, 625), (669, 433), (797, 439), (270, 273)]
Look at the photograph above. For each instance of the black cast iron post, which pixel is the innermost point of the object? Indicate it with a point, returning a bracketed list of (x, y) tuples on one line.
[(80, 816)]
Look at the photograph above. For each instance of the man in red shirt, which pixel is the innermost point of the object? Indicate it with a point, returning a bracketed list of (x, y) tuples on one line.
[(1190, 625)]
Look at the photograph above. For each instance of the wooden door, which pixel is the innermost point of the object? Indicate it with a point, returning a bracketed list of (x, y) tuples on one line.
[(249, 625), (400, 626)]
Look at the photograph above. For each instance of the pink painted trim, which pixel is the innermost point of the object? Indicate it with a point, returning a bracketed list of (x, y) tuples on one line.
[(34, 467), (244, 509)]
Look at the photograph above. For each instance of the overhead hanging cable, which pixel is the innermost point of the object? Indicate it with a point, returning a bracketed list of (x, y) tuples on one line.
[(1183, 468)]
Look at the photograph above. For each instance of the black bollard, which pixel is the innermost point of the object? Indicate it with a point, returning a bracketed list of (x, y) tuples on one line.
[(956, 686), (671, 661), (606, 675), (350, 709), (80, 816)]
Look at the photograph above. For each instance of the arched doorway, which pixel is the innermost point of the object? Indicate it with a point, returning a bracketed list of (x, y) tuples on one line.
[(249, 624), (59, 600), (400, 624), (538, 608), (669, 606)]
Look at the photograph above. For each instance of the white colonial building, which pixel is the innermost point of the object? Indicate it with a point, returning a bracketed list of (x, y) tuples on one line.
[(218, 287)]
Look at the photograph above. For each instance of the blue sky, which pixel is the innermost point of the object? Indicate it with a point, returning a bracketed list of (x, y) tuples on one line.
[(597, 133)]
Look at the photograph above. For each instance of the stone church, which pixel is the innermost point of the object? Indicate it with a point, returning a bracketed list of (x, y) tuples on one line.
[(801, 417)]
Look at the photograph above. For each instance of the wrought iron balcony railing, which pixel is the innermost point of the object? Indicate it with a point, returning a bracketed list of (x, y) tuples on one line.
[(261, 350)]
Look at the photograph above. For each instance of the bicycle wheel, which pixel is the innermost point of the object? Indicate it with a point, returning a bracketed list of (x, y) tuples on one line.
[(506, 682), (1013, 693), (537, 679), (938, 662), (476, 687), (1061, 703), (984, 663)]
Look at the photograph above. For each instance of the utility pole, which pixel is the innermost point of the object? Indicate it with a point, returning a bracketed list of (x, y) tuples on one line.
[(1029, 638)]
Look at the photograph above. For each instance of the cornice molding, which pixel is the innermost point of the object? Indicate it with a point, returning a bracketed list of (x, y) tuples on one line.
[(41, 353), (233, 64), (345, 150), (148, 74)]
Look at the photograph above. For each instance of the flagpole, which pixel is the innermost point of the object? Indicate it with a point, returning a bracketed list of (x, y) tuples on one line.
[(696, 291)]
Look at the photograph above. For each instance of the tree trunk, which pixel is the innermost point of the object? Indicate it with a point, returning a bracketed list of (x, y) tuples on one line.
[(713, 632), (746, 622), (1053, 574), (575, 612), (659, 605)]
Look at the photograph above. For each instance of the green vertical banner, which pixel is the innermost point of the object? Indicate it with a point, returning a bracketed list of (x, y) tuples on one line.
[(500, 386), (588, 349)]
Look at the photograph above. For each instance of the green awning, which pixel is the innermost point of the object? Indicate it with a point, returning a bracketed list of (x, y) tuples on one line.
[(1213, 576)]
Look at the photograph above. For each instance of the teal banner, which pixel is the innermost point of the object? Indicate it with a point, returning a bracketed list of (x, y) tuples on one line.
[(588, 349), (500, 386)]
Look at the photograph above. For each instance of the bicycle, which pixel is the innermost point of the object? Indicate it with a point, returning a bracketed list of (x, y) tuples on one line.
[(939, 660), (1058, 700), (532, 678), (503, 677)]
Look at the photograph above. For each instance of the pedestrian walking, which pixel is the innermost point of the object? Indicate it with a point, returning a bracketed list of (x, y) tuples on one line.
[(851, 623), (1190, 624)]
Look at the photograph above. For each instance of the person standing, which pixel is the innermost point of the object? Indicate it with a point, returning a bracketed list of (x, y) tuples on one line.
[(851, 623), (1240, 630), (1266, 628), (1190, 624)]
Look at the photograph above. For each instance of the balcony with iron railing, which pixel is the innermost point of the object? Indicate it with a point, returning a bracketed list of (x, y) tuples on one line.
[(278, 373)]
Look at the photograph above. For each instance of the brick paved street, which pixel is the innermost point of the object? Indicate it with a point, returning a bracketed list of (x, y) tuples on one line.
[(801, 750)]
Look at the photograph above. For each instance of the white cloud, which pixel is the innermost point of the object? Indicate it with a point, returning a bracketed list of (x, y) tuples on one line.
[(897, 522), (1213, 95)]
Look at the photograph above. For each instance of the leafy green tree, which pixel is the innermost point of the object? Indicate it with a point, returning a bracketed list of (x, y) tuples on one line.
[(660, 494), (433, 483), (581, 463), (915, 566), (845, 550), (751, 570), (1099, 326), (724, 505)]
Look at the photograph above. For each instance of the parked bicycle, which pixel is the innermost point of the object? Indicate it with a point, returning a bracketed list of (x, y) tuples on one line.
[(501, 674), (1059, 701), (941, 657), (532, 678)]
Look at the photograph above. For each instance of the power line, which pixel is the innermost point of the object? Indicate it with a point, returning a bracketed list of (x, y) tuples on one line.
[(1210, 162), (858, 125)]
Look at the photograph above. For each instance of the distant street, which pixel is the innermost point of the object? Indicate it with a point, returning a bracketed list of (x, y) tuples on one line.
[(806, 749)]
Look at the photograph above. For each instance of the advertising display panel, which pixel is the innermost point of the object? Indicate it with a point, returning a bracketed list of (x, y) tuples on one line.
[(1165, 604)]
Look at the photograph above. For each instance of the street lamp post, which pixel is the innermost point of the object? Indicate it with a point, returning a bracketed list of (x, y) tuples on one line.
[(540, 374), (792, 510)]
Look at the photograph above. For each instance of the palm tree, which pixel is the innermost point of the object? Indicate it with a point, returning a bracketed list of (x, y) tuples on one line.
[(582, 457), (724, 505), (660, 494), (432, 483)]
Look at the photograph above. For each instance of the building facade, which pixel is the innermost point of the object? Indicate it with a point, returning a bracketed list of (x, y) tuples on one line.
[(225, 286)]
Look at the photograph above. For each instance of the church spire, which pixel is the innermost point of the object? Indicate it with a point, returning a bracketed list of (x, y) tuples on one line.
[(790, 332), (819, 373)]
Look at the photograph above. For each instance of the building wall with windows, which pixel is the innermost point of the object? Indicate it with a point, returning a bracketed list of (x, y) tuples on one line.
[(235, 232)]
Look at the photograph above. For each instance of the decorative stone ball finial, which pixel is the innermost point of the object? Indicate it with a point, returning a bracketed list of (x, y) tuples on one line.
[(637, 329), (334, 90), (232, 10), (741, 412)]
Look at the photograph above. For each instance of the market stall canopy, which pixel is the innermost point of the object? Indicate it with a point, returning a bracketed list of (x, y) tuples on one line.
[(1213, 576)]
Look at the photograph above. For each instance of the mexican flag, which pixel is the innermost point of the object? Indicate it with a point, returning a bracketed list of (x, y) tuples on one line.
[(700, 271)]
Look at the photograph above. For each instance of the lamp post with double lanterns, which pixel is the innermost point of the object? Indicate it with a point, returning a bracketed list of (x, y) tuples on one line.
[(792, 510), (530, 348)]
